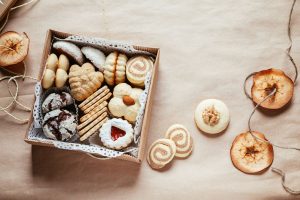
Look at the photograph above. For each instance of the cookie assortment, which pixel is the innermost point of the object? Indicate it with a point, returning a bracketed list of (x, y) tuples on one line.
[(106, 93)]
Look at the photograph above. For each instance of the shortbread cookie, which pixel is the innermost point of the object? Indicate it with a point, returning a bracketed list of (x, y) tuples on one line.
[(69, 49), (59, 125), (93, 130), (96, 56), (251, 155), (52, 62), (61, 78), (114, 68), (125, 102), (92, 112), (265, 81), (55, 101), (212, 116), (91, 118), (91, 125), (84, 81), (116, 134), (48, 78), (63, 63), (161, 153), (137, 69), (97, 103), (94, 95), (182, 139)]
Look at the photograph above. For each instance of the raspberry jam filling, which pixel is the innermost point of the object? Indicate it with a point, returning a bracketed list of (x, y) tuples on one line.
[(116, 133)]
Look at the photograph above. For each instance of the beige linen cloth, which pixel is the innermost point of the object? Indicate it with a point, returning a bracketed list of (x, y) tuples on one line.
[(207, 47)]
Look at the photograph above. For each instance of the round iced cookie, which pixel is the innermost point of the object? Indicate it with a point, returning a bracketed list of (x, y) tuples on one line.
[(182, 139), (212, 116)]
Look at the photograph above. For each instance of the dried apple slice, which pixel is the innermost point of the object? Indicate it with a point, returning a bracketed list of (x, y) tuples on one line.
[(265, 81), (251, 155), (13, 48)]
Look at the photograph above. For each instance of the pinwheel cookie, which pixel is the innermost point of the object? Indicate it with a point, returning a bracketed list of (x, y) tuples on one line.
[(161, 153), (250, 154), (137, 69), (212, 116), (182, 139), (267, 81)]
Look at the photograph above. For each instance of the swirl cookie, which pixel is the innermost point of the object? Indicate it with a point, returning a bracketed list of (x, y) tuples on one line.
[(182, 139), (160, 153), (137, 69), (250, 155), (212, 116)]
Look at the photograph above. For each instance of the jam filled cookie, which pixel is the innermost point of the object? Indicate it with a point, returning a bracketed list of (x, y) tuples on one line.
[(182, 138), (265, 82), (137, 69), (251, 155), (114, 68), (55, 101), (212, 116), (59, 125), (161, 153), (116, 134)]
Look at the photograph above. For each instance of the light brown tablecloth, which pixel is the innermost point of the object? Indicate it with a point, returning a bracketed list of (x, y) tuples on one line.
[(207, 49)]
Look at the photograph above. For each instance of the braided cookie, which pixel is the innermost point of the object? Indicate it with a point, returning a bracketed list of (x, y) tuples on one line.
[(182, 139), (160, 153), (137, 69), (251, 155)]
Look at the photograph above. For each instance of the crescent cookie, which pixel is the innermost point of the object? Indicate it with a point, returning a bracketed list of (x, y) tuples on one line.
[(160, 153), (137, 69), (212, 116), (182, 139), (251, 155)]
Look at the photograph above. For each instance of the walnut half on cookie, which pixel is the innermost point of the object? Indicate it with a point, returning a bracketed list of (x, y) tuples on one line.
[(212, 116)]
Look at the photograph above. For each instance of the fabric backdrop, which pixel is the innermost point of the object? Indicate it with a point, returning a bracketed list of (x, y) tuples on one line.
[(207, 47)]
